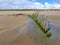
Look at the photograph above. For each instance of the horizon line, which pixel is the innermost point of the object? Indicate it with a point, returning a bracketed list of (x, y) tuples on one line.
[(29, 9)]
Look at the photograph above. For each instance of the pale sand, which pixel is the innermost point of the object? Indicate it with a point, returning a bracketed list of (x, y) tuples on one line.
[(11, 21), (12, 30), (10, 27), (54, 19)]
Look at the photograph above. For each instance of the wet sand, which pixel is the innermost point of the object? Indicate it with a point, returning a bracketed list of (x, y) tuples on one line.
[(10, 27), (13, 31), (11, 21), (54, 19)]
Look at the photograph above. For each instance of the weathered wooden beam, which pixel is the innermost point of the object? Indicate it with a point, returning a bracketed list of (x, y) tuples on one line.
[(43, 28)]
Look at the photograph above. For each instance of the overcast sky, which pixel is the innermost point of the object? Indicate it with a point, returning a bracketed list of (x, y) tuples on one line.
[(29, 4)]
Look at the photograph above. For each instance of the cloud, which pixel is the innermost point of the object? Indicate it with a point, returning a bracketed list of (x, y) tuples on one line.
[(51, 6), (26, 4)]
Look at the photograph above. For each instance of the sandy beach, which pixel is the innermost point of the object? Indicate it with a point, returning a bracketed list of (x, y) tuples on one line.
[(54, 19), (12, 30)]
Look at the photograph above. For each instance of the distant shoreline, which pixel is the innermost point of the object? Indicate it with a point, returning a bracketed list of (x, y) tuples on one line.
[(29, 9)]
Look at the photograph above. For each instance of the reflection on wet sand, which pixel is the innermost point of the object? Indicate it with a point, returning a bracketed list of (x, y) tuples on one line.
[(19, 31)]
